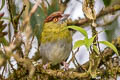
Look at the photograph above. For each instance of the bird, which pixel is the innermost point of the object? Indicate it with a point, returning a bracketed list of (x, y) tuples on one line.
[(56, 43)]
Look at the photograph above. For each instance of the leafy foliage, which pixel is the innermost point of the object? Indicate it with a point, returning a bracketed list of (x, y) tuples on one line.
[(110, 45), (81, 30), (87, 42), (107, 2)]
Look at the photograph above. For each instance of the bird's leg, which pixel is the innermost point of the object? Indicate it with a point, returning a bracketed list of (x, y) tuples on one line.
[(46, 66), (66, 65)]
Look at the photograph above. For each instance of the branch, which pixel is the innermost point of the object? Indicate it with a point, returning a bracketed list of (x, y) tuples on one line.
[(63, 74), (105, 11)]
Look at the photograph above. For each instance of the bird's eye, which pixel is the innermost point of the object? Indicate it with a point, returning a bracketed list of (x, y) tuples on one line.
[(55, 20)]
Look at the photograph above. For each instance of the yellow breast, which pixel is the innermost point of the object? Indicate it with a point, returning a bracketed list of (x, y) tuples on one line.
[(54, 31)]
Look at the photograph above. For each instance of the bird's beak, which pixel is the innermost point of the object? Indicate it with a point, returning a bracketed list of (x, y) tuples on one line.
[(64, 17)]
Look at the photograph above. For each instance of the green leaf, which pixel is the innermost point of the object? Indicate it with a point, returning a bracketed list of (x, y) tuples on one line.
[(4, 41), (110, 45), (88, 42), (3, 3), (107, 2), (81, 30), (37, 22), (53, 7), (78, 44)]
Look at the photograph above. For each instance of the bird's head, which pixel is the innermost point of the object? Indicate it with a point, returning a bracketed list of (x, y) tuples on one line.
[(57, 17), (53, 28)]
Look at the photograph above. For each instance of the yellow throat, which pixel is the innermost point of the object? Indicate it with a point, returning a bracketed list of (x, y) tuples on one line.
[(54, 31)]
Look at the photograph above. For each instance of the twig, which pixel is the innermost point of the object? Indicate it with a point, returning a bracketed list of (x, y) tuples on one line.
[(28, 48), (3, 70), (24, 6), (47, 2), (109, 22), (73, 55), (60, 74), (83, 22), (10, 11), (9, 32), (11, 66)]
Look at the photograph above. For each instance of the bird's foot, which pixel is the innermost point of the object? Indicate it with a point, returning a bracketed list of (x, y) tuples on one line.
[(46, 66), (66, 65)]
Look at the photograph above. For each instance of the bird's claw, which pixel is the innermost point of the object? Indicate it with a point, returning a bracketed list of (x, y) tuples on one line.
[(46, 66), (66, 65)]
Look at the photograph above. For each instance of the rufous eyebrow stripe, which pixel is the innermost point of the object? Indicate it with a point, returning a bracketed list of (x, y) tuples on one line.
[(57, 14)]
